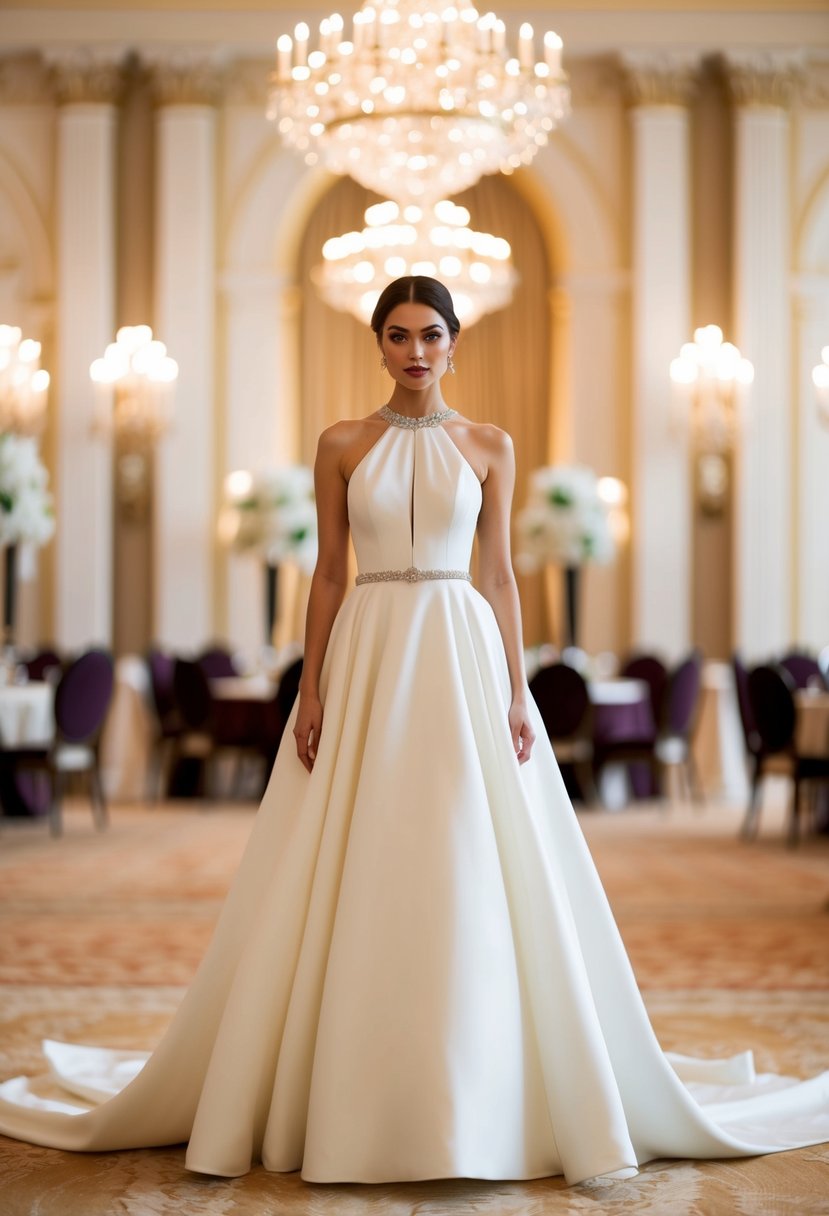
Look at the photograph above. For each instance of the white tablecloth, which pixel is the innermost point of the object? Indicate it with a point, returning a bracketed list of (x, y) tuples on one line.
[(128, 733), (27, 714)]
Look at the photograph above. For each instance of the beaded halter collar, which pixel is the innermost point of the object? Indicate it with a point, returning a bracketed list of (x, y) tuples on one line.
[(414, 424)]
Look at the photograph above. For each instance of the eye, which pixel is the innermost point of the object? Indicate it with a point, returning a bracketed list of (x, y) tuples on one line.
[(396, 338), (432, 337)]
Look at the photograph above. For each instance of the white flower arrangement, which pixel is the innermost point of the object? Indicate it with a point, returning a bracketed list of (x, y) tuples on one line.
[(565, 520), (273, 515), (26, 514)]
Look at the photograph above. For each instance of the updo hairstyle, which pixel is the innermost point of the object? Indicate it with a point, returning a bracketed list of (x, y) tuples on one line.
[(415, 289)]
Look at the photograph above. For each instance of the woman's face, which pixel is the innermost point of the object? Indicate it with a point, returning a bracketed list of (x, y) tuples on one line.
[(417, 344)]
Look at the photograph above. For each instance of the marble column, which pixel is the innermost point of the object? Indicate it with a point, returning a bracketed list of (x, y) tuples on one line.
[(660, 87), (185, 588), (87, 85), (762, 87)]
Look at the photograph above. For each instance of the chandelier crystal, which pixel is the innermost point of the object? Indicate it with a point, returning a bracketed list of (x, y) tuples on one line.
[(417, 104), (433, 241), (23, 383)]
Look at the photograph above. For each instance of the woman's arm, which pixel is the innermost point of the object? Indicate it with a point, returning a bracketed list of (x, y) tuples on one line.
[(327, 588), (497, 581)]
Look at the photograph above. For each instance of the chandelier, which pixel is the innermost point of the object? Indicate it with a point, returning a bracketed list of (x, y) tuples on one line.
[(431, 241), (710, 378), (417, 104), (134, 391), (23, 383), (820, 379)]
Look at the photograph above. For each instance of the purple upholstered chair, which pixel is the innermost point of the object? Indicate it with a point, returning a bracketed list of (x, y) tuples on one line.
[(804, 669), (82, 699), (211, 725), (563, 701), (679, 718), (652, 670), (216, 662), (41, 664), (168, 724), (771, 690)]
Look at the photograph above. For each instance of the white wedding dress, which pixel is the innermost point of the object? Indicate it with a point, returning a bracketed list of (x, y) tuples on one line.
[(416, 973)]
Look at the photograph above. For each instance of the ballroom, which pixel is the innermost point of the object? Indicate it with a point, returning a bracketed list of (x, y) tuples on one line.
[(201, 203)]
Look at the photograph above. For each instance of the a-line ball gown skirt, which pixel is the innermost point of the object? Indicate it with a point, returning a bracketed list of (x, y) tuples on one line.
[(416, 974)]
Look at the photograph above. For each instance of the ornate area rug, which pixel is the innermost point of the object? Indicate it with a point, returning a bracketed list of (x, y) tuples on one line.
[(99, 934)]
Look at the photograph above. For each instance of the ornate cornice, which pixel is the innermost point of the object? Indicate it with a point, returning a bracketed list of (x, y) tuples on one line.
[(660, 78), (246, 82), (596, 79), (25, 80), (86, 74), (187, 78), (764, 78)]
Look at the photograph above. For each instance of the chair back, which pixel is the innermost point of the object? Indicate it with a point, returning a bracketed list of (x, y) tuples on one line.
[(191, 692), (750, 735), (161, 667), (45, 660), (682, 696), (288, 688), (772, 703), (561, 695), (217, 662), (83, 695), (803, 668), (653, 671)]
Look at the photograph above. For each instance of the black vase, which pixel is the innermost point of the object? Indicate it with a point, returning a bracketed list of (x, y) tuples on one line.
[(9, 593), (571, 605), (271, 600)]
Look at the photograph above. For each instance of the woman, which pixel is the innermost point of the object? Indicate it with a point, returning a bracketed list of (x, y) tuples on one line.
[(416, 974)]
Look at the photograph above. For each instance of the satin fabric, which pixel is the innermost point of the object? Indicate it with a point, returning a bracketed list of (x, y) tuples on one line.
[(416, 973)]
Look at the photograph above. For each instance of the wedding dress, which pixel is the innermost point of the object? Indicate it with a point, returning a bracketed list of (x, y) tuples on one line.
[(416, 973)]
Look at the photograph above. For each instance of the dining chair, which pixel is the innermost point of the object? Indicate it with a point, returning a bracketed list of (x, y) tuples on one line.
[(802, 667), (82, 698), (212, 726), (168, 725), (46, 662), (216, 661), (771, 689), (651, 669), (563, 700), (671, 743)]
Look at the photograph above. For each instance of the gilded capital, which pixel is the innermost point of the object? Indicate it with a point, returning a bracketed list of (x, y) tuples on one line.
[(764, 78), (660, 78), (24, 80), (186, 78), (85, 74)]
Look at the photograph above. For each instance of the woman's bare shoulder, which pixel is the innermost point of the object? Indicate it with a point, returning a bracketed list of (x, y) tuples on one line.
[(487, 435), (343, 434)]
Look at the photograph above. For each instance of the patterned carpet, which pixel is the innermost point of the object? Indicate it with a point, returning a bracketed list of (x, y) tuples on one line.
[(99, 935)]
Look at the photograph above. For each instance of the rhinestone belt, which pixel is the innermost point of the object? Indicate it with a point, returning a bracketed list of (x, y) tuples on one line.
[(412, 575)]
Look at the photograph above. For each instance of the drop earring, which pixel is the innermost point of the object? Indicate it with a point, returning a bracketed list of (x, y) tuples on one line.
[(383, 363), (450, 365)]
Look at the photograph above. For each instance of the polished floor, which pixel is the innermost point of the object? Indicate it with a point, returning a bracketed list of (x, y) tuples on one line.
[(99, 934)]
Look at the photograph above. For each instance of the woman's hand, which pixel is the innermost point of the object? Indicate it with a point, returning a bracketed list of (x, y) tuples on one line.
[(307, 729), (523, 735)]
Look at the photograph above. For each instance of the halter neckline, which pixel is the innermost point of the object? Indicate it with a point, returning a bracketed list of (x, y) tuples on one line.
[(415, 424)]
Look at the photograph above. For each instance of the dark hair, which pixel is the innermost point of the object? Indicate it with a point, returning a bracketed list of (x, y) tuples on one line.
[(415, 289)]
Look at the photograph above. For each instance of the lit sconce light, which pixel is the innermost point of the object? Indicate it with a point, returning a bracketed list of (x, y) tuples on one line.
[(134, 387), (24, 384), (820, 379), (614, 494), (710, 378)]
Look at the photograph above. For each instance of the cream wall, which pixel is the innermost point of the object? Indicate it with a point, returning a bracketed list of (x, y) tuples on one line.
[(234, 315)]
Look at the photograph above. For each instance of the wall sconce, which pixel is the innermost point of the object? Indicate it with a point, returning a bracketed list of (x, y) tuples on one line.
[(134, 395), (23, 383), (710, 378), (820, 379)]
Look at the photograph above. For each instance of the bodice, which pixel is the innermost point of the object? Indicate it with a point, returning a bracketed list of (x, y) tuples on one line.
[(413, 500)]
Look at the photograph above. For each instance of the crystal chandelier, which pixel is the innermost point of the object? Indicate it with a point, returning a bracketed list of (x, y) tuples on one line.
[(432, 241), (417, 104), (23, 383), (710, 378)]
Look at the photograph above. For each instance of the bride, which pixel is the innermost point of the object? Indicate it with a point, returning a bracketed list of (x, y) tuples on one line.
[(416, 973)]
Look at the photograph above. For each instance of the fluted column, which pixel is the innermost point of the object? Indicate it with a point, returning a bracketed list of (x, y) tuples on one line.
[(87, 85), (762, 87), (660, 87), (184, 318)]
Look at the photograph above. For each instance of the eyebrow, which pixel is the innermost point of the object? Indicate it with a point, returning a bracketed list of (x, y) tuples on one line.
[(401, 329)]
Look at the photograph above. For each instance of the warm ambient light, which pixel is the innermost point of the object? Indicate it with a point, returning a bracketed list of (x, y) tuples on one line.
[(23, 383)]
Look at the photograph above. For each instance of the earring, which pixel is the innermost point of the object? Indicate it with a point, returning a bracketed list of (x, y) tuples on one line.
[(383, 363), (450, 365)]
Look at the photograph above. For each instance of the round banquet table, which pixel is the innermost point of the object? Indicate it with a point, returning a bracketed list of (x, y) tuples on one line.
[(26, 720)]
